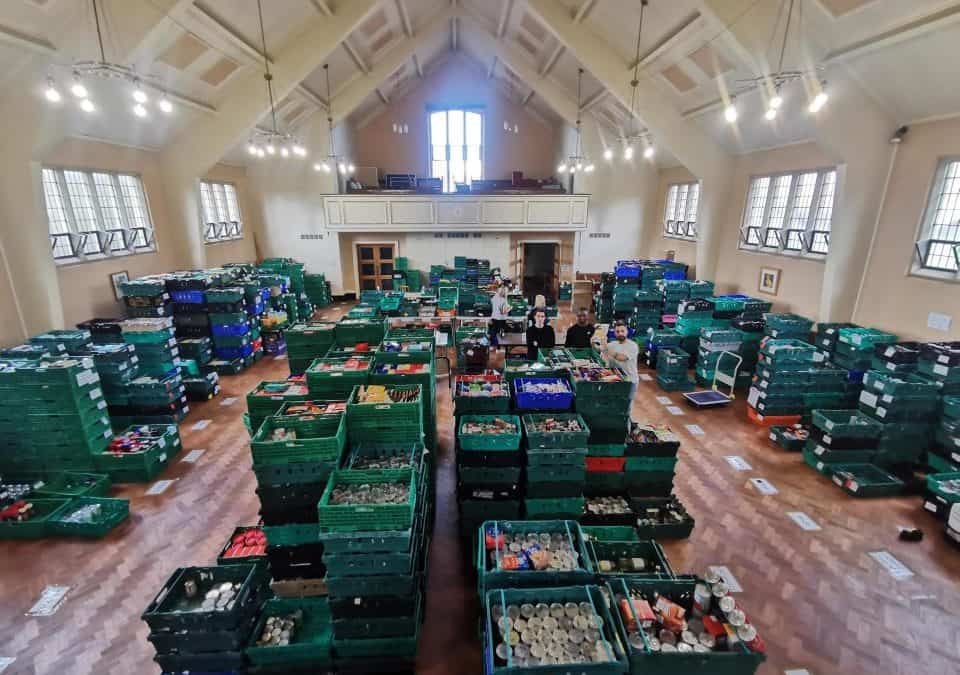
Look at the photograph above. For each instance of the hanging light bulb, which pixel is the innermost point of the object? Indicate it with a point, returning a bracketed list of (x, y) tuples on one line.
[(608, 154), (589, 168), (165, 105), (316, 166), (260, 153), (506, 125), (77, 88), (648, 151), (299, 150), (341, 167), (730, 112), (284, 152), (628, 152), (51, 92), (406, 128), (771, 114), (139, 110), (325, 167), (271, 149), (516, 128), (351, 168), (573, 170), (562, 168), (819, 100), (776, 100), (86, 105), (579, 165), (251, 148), (138, 94)]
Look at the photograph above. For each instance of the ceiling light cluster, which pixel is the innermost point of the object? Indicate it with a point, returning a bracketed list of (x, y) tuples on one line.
[(636, 138), (773, 84), (578, 161), (83, 70), (401, 128), (343, 165), (515, 128), (272, 142)]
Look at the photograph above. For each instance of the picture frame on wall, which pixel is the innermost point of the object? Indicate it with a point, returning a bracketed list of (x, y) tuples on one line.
[(769, 282), (116, 279)]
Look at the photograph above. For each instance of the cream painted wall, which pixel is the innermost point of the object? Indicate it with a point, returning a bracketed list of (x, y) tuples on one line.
[(738, 271), (240, 250), (457, 83), (657, 244), (891, 299)]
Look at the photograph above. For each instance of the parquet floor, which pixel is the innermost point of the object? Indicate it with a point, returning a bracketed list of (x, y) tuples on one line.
[(818, 600)]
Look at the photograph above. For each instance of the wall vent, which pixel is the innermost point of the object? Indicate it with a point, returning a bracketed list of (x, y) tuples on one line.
[(458, 235), (310, 236), (599, 235)]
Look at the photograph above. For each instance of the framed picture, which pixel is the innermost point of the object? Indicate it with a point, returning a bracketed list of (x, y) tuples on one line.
[(116, 279), (769, 280)]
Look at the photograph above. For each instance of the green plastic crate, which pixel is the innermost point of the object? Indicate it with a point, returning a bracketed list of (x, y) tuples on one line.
[(866, 480), (648, 550), (312, 639), (112, 513), (484, 442), (553, 440), (74, 484), (39, 525), (935, 485), (489, 475), (847, 424), (323, 442), (292, 534), (553, 508), (613, 533), (537, 457), (361, 517)]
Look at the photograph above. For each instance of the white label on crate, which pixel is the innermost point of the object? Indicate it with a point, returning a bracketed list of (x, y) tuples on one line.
[(664, 400), (869, 398), (279, 357), (819, 450), (172, 342), (820, 466), (894, 567), (50, 601), (953, 520), (95, 394), (161, 443), (881, 412), (200, 425), (818, 357), (186, 409), (886, 398), (856, 338), (335, 374), (696, 430), (159, 487), (764, 487), (162, 458), (230, 400), (930, 506), (943, 358), (738, 463), (674, 410), (192, 456), (955, 456), (827, 438), (797, 671), (753, 397), (134, 359), (122, 366), (101, 405), (889, 351), (838, 480), (762, 394), (108, 433), (941, 370), (803, 520), (891, 365), (733, 586), (773, 437), (104, 420), (6, 661), (645, 377)]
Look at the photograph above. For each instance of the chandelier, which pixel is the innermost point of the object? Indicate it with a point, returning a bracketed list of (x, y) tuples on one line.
[(101, 68), (272, 141), (635, 136), (578, 161), (773, 84), (342, 164)]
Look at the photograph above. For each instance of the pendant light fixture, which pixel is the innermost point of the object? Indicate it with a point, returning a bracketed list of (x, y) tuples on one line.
[(578, 161), (776, 82), (636, 136), (272, 142), (333, 161), (82, 71)]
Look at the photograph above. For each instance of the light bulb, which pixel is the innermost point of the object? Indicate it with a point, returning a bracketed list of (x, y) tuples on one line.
[(516, 129), (316, 166), (77, 89), (51, 92), (284, 152), (270, 149), (562, 168), (86, 105), (351, 168), (299, 150), (573, 170), (260, 152), (589, 168), (138, 94), (506, 125), (139, 110), (818, 101), (776, 101), (730, 113), (251, 148), (628, 153), (771, 114), (165, 105), (341, 167), (579, 165), (406, 129), (608, 154), (325, 167), (395, 128), (648, 152)]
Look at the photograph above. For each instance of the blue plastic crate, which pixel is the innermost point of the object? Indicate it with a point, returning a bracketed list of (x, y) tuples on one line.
[(232, 330), (231, 353), (190, 297), (255, 309), (532, 400), (675, 275)]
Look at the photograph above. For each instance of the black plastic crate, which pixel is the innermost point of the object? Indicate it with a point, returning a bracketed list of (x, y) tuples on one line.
[(296, 562)]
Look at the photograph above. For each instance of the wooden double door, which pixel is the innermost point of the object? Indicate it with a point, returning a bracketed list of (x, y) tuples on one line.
[(375, 266)]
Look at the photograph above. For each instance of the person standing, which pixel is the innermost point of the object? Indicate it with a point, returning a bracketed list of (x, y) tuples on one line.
[(579, 334), (540, 336), (500, 310), (623, 354)]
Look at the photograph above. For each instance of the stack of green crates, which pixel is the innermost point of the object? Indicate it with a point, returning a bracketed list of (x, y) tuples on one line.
[(555, 465), (285, 267), (566, 291), (53, 415), (602, 398), (939, 363), (198, 349), (782, 377), (350, 331), (647, 308), (624, 293), (411, 367), (391, 413), (268, 397), (701, 289), (650, 461), (307, 342), (841, 437), (673, 370), (674, 292), (788, 327), (317, 289), (854, 348), (827, 337), (908, 407), (117, 365), (375, 558), (335, 378), (63, 340), (489, 465), (945, 452), (154, 342), (650, 277), (715, 342), (157, 445)]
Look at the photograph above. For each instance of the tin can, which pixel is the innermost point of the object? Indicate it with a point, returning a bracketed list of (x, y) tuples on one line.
[(701, 598)]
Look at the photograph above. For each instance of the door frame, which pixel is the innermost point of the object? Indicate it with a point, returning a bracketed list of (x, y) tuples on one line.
[(356, 255), (558, 262)]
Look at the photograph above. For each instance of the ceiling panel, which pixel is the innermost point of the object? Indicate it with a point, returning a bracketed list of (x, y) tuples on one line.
[(342, 70), (282, 19), (184, 51)]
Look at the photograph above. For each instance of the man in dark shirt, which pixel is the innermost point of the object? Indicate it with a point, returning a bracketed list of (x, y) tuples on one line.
[(579, 334), (540, 336)]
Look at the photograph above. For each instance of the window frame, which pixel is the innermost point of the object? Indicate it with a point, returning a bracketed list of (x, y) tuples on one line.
[(921, 248), (109, 242), (220, 230), (466, 109), (675, 228), (762, 238)]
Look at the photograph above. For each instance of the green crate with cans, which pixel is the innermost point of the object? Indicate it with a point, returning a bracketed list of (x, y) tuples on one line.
[(307, 342), (379, 412), (335, 378)]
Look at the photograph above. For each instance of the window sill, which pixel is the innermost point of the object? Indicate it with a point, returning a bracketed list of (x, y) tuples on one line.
[(777, 253), (100, 257), (692, 240), (223, 240), (930, 274)]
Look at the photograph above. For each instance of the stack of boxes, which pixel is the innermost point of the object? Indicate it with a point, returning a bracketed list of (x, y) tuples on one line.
[(674, 292), (306, 342), (694, 315), (673, 370), (603, 400), (944, 455), (939, 363), (335, 378), (268, 397), (713, 343), (236, 336), (647, 308), (840, 437), (118, 366), (317, 289), (603, 300), (411, 362), (908, 409), (625, 289), (190, 313), (488, 469), (146, 297), (855, 347), (157, 395), (788, 327), (782, 378), (556, 450)]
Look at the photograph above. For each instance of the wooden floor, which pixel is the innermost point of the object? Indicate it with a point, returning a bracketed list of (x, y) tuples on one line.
[(817, 598)]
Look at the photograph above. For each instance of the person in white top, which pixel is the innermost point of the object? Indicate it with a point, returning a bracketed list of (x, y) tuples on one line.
[(623, 354), (500, 310)]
